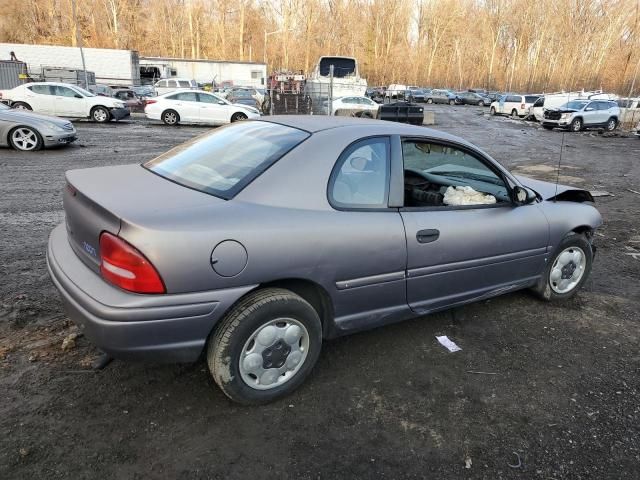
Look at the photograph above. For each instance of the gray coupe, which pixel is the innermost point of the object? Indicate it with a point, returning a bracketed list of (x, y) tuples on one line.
[(255, 242), (28, 131)]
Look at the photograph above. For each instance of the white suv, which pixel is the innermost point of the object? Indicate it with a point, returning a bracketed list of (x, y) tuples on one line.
[(64, 100), (514, 105), (579, 114)]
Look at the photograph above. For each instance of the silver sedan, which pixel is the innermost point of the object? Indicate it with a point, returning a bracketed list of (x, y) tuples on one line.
[(28, 131)]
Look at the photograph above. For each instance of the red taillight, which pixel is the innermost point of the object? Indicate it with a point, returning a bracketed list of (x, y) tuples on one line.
[(149, 102), (522, 105), (124, 266)]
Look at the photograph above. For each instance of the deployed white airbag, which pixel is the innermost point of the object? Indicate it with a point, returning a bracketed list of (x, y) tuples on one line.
[(467, 196)]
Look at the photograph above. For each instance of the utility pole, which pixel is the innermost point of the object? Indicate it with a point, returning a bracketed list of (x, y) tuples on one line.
[(79, 42)]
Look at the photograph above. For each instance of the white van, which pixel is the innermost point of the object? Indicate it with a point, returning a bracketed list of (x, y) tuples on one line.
[(172, 84), (514, 105)]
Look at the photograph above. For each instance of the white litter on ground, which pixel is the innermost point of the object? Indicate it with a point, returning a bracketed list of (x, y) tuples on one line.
[(466, 196), (448, 344)]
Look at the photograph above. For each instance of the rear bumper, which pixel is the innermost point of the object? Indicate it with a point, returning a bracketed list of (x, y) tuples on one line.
[(120, 113), (163, 328)]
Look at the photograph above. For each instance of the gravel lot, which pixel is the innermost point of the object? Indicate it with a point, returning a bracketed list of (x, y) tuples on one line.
[(558, 396)]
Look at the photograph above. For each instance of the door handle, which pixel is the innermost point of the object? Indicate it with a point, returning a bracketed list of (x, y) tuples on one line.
[(427, 236)]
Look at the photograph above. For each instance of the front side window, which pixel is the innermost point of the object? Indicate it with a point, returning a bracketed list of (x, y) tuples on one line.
[(64, 91), (224, 161), (360, 178), (575, 105), (514, 99), (162, 84), (530, 99), (437, 175), (184, 83)]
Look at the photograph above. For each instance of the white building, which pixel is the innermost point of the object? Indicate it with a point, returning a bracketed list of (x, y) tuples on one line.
[(246, 74)]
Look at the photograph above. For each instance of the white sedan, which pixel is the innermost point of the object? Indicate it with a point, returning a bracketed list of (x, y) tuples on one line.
[(64, 100), (361, 106), (196, 106)]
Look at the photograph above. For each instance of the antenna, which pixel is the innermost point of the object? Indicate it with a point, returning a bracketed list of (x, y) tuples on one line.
[(559, 163)]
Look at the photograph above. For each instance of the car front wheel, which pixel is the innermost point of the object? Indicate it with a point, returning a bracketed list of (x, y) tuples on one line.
[(429, 100), (236, 117), (25, 139), (100, 115), (265, 347), (576, 125), (567, 269), (492, 111), (21, 106)]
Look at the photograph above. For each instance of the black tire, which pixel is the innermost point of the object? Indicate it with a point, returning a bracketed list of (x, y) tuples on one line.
[(492, 111), (481, 103), (612, 123), (514, 113), (452, 102), (21, 106), (228, 340), (238, 117), (576, 125), (544, 289), (547, 127), (429, 100), (100, 114), (33, 139), (170, 117)]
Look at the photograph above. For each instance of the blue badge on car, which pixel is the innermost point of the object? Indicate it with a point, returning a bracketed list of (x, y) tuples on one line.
[(89, 249)]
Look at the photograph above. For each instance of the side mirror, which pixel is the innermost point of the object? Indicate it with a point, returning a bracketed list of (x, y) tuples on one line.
[(522, 195), (220, 102), (589, 109)]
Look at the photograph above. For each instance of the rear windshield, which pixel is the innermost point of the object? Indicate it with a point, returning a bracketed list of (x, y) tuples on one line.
[(224, 161)]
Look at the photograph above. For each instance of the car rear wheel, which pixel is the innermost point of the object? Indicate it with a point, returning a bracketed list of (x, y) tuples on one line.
[(25, 139), (576, 125), (481, 103), (452, 102), (265, 347), (429, 100), (514, 113), (238, 116), (612, 123), (567, 269), (21, 106), (100, 115), (170, 117), (492, 111)]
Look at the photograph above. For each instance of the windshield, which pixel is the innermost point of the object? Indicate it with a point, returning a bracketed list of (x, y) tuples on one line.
[(574, 105), (224, 161)]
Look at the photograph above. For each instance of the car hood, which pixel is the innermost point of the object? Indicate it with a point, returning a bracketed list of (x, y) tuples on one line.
[(551, 191), (26, 116)]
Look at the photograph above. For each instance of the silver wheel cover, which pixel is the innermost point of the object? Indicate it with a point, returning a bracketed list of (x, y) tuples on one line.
[(24, 139), (567, 270), (99, 115), (255, 365)]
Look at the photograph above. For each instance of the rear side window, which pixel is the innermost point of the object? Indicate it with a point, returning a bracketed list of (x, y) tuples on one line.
[(360, 178), (226, 160), (187, 97), (40, 89), (530, 99), (184, 83), (513, 99)]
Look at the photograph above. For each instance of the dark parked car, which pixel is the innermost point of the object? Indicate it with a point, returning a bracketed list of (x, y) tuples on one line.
[(416, 95), (471, 98), (256, 241), (243, 97), (443, 96), (129, 98)]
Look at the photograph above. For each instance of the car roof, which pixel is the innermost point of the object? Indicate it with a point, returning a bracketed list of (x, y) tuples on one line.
[(318, 123)]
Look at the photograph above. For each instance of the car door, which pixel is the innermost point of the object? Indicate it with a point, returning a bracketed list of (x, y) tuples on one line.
[(370, 288), (40, 98), (69, 103), (459, 252), (212, 109), (187, 106)]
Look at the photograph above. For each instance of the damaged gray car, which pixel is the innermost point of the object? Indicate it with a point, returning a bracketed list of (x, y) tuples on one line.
[(253, 243)]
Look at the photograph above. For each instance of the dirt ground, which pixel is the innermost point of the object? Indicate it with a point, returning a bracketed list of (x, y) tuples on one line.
[(539, 391)]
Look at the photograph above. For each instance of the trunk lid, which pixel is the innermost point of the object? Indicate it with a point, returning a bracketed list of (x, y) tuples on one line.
[(101, 199)]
